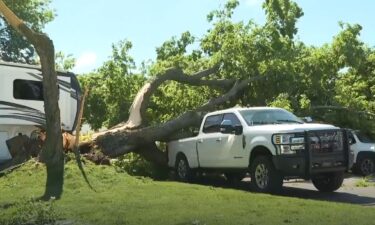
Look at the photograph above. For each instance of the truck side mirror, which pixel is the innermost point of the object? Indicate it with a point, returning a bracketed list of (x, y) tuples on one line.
[(238, 129), (226, 127)]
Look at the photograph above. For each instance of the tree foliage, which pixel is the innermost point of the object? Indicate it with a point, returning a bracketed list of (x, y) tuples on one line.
[(36, 14), (112, 88), (338, 76)]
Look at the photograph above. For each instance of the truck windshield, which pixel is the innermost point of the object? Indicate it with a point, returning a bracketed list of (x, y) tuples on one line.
[(364, 138), (268, 116)]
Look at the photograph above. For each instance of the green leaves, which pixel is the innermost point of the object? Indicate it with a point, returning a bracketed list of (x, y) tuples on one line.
[(282, 15), (36, 13), (298, 77), (112, 88)]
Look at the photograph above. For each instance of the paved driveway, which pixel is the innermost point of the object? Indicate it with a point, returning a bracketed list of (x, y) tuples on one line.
[(348, 193)]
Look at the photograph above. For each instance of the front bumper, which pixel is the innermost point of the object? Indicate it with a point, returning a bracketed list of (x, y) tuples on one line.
[(307, 164), (298, 166)]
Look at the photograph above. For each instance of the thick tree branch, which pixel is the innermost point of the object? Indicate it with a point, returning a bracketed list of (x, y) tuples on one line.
[(332, 107), (163, 131), (123, 140), (142, 99)]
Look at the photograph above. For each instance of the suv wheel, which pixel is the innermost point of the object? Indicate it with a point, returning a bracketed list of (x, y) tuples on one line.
[(183, 171), (328, 182), (366, 166), (264, 176)]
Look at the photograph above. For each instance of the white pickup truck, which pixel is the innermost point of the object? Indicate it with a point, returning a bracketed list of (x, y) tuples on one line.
[(271, 144)]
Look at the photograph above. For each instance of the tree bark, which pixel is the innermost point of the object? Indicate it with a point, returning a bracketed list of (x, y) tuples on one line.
[(52, 153)]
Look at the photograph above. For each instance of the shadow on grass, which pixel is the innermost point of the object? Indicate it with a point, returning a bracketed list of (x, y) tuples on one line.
[(301, 190), (7, 205)]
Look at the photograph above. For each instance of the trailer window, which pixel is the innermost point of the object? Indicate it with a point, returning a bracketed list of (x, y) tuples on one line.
[(28, 90)]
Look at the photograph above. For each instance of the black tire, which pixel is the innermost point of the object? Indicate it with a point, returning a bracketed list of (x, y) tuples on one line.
[(365, 166), (328, 182), (264, 177), (183, 171)]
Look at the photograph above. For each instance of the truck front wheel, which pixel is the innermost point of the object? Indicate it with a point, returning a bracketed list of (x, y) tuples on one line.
[(183, 171), (264, 176), (328, 182)]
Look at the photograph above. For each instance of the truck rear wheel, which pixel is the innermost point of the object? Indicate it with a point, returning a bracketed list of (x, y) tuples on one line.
[(264, 176), (328, 182), (183, 171)]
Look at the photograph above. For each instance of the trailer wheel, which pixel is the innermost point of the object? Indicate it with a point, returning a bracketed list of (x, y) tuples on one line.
[(264, 176), (183, 171), (328, 182)]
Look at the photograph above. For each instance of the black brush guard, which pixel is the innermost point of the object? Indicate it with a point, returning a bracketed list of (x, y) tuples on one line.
[(325, 151)]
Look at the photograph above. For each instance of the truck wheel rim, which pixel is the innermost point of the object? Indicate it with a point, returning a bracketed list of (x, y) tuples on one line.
[(261, 176), (367, 166), (182, 169)]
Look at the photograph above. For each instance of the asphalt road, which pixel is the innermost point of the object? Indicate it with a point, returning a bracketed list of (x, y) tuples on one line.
[(348, 193)]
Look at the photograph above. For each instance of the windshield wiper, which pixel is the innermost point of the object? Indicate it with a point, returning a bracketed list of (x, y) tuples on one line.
[(290, 121)]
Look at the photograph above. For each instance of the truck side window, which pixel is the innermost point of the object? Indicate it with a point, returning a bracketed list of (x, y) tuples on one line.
[(212, 124), (233, 118)]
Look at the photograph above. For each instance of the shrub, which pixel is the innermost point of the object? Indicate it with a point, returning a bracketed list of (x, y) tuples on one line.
[(136, 165)]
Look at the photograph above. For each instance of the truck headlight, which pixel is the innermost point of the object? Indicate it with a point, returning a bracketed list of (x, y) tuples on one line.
[(288, 143)]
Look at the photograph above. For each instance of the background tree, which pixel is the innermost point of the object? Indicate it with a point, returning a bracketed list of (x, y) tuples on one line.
[(241, 63), (64, 62), (15, 47)]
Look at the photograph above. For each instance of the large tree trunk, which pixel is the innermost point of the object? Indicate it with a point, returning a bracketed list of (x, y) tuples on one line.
[(52, 153)]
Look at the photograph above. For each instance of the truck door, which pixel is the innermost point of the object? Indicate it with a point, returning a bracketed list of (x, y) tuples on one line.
[(216, 149)]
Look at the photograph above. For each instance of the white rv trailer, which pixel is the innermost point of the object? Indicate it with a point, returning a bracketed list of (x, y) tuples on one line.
[(22, 105)]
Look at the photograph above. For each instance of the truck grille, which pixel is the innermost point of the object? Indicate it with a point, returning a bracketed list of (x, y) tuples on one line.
[(325, 141)]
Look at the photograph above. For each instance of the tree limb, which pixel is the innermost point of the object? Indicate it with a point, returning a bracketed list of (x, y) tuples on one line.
[(123, 140), (142, 99)]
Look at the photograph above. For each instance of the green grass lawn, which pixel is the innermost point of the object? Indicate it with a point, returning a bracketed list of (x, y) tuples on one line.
[(122, 199)]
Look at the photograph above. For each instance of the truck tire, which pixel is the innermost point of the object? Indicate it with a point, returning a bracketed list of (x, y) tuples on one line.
[(264, 176), (328, 182), (365, 166), (183, 171)]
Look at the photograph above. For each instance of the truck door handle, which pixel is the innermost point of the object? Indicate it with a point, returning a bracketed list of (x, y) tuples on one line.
[(200, 141), (218, 140)]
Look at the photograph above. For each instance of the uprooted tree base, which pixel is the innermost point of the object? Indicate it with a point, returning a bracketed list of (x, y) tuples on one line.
[(23, 148), (135, 136)]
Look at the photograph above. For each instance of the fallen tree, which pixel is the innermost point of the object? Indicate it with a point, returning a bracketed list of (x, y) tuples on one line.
[(135, 136)]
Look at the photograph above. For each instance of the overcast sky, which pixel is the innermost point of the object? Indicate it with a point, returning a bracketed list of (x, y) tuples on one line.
[(87, 28)]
